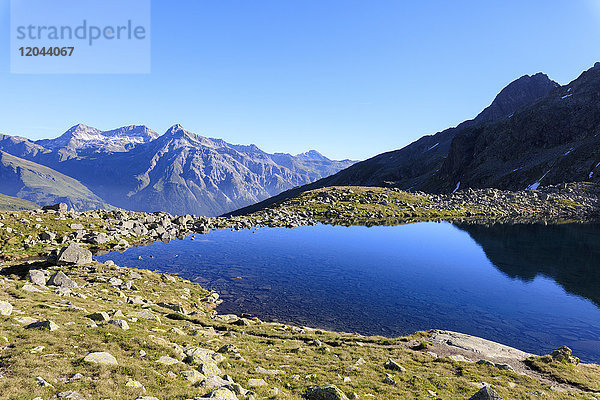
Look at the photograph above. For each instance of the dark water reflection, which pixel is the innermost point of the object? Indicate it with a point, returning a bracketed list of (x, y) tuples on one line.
[(534, 287)]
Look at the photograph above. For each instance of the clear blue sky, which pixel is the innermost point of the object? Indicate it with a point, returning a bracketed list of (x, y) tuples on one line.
[(348, 78)]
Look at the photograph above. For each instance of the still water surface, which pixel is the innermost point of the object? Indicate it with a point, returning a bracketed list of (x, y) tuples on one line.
[(533, 287)]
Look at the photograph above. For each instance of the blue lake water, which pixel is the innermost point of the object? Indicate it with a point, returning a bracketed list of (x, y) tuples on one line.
[(534, 287)]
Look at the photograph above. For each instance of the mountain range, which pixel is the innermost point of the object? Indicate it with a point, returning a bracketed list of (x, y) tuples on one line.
[(535, 132), (135, 168)]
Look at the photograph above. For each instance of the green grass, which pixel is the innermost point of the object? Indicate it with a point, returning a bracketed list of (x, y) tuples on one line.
[(9, 203)]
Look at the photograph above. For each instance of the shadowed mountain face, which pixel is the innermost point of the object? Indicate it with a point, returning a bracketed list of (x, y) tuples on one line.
[(553, 140), (179, 172), (568, 254), (413, 167)]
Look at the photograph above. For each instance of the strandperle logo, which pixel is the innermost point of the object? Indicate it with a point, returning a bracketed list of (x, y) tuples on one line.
[(85, 31), (80, 36)]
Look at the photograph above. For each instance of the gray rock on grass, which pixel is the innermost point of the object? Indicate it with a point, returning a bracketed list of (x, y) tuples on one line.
[(73, 254)]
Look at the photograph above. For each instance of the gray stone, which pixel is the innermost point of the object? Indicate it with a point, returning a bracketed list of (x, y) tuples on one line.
[(76, 227), (222, 393), (48, 236), (486, 393), (213, 382), (37, 277), (192, 376), (47, 325), (61, 280), (119, 323), (393, 366), (69, 394), (100, 316), (28, 287), (5, 308), (73, 254), (165, 360), (100, 358), (254, 382), (144, 314), (325, 392)]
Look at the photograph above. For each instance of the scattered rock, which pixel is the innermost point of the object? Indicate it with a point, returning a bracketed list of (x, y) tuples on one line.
[(69, 394), (5, 308), (119, 323), (325, 392), (101, 358), (393, 366), (100, 316), (222, 393), (47, 325), (166, 360), (37, 277), (486, 393), (192, 376), (254, 383), (564, 354), (61, 280)]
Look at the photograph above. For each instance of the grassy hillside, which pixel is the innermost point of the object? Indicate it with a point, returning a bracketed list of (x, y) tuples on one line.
[(43, 185), (9, 203)]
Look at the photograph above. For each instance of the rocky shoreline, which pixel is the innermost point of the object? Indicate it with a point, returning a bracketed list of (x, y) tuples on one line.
[(139, 334)]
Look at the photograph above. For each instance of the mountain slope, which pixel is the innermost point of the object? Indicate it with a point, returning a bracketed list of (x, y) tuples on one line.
[(9, 203), (42, 185), (551, 141), (411, 167)]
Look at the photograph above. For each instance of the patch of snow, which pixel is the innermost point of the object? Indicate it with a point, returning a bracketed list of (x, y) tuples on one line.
[(597, 165), (565, 96), (432, 147), (568, 152), (510, 116), (591, 174), (568, 90), (535, 185), (457, 186), (516, 169)]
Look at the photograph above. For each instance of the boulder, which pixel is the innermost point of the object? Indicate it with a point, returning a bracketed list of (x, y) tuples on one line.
[(100, 316), (486, 393), (61, 280), (393, 366), (564, 354), (100, 357), (60, 207), (73, 254), (119, 323), (222, 393), (37, 277), (5, 308), (47, 325), (325, 392), (47, 236)]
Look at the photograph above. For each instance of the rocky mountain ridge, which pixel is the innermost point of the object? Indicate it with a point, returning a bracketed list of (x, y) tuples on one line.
[(181, 172)]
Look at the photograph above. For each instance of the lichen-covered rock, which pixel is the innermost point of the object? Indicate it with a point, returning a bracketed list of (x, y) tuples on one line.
[(100, 316), (100, 357), (222, 394), (564, 354), (393, 366), (325, 392), (5, 308)]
